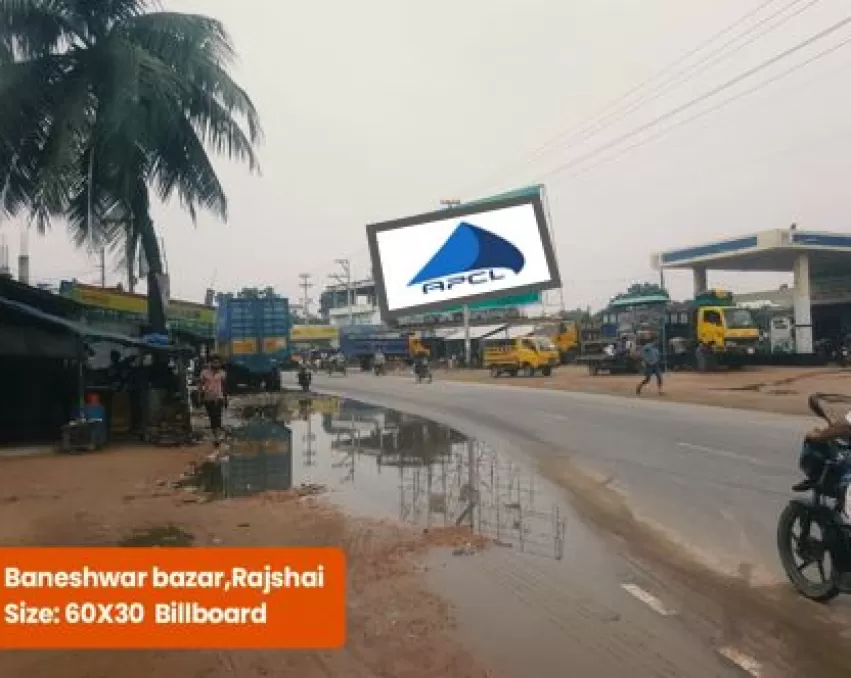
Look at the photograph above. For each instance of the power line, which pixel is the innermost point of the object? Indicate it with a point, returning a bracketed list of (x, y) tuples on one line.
[(712, 109), (582, 126), (701, 66), (305, 285), (700, 99)]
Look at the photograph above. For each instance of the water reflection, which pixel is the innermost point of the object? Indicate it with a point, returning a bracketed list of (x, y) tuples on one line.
[(386, 463)]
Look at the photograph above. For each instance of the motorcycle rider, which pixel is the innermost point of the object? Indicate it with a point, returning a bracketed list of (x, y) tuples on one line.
[(304, 376), (378, 361), (421, 366), (840, 428)]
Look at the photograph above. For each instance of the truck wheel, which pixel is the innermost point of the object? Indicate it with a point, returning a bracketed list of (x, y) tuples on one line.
[(593, 369), (513, 373), (547, 371)]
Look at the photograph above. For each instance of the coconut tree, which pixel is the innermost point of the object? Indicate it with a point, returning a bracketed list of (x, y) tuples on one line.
[(108, 104)]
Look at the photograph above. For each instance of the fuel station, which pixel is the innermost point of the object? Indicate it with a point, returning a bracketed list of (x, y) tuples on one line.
[(819, 261)]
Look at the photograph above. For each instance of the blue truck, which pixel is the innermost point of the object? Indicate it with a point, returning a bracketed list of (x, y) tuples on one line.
[(253, 338), (360, 343)]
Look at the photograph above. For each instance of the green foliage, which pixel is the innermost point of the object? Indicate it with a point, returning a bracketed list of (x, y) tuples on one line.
[(642, 290), (104, 100)]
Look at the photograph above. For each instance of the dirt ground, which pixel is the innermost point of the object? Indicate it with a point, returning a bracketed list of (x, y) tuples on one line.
[(770, 389), (396, 627)]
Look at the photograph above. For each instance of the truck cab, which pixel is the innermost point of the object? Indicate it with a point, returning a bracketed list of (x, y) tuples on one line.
[(528, 355), (723, 327), (417, 348)]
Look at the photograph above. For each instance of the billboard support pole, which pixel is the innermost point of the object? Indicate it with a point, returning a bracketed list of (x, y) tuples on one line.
[(468, 349), (468, 352)]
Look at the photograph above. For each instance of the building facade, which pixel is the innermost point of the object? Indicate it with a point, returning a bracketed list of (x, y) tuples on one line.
[(125, 313)]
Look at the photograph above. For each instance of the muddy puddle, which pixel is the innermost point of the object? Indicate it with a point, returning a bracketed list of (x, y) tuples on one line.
[(385, 464)]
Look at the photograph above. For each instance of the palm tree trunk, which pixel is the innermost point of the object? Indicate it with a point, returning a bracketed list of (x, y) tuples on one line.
[(156, 299)]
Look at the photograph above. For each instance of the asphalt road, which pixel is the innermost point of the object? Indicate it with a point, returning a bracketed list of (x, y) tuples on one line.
[(715, 479)]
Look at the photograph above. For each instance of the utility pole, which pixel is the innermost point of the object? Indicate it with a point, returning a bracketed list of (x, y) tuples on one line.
[(305, 285), (663, 348), (345, 279), (468, 345), (103, 265)]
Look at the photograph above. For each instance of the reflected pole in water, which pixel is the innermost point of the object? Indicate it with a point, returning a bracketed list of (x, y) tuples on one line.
[(308, 439), (471, 480)]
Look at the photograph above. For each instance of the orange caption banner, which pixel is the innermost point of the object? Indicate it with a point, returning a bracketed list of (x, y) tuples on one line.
[(212, 598)]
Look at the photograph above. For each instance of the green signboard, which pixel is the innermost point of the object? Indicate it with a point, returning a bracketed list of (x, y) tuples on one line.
[(529, 191), (499, 302)]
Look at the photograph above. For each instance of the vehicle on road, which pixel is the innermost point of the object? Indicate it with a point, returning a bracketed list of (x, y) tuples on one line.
[(705, 333), (611, 363), (527, 355), (378, 369), (422, 372), (719, 333), (334, 366), (812, 535), (304, 378), (566, 337), (253, 338), (360, 344)]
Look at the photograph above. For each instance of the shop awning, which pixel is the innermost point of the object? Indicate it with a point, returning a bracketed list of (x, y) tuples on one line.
[(476, 332), (84, 332)]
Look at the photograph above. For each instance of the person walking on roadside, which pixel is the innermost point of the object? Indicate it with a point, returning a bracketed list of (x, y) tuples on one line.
[(214, 395), (652, 368)]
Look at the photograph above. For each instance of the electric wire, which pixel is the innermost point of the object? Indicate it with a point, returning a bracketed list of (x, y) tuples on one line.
[(701, 98), (712, 109), (583, 126), (701, 66)]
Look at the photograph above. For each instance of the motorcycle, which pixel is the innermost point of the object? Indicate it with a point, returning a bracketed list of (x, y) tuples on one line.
[(422, 373), (333, 366), (800, 548), (304, 378), (378, 369)]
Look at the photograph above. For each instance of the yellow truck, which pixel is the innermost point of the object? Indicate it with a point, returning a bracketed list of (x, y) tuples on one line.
[(529, 355), (716, 332)]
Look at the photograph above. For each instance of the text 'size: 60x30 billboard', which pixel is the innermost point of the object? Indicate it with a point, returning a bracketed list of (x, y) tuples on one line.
[(468, 253)]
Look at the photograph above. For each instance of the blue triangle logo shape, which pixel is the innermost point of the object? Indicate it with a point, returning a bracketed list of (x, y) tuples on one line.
[(471, 248)]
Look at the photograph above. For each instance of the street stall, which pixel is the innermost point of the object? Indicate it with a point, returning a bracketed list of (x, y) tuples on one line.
[(97, 385)]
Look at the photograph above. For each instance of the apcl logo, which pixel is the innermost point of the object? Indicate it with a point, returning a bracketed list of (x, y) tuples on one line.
[(470, 256)]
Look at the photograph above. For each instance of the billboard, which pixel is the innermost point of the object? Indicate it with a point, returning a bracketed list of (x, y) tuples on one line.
[(475, 252)]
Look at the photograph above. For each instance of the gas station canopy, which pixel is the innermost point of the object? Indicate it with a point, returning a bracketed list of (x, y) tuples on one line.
[(777, 250), (810, 256)]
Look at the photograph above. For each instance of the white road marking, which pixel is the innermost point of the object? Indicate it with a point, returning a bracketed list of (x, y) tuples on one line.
[(725, 453), (747, 664), (648, 599)]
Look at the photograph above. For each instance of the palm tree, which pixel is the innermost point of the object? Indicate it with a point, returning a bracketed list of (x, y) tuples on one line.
[(104, 101)]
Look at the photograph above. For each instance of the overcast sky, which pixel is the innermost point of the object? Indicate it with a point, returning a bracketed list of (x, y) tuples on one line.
[(381, 108)]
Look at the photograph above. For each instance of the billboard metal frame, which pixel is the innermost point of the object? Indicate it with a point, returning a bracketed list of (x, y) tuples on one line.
[(524, 198)]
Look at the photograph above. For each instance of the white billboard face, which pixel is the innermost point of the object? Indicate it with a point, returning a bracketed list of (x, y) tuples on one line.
[(465, 254)]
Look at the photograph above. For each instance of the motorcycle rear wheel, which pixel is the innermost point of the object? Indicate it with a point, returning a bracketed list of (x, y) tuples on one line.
[(792, 546)]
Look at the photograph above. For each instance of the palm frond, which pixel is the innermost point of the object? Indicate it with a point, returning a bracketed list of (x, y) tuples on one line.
[(35, 28)]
